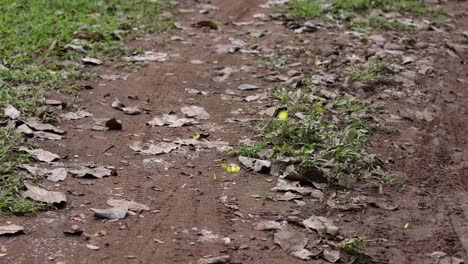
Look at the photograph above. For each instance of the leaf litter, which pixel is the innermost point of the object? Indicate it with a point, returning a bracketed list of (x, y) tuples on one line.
[(43, 195), (11, 230)]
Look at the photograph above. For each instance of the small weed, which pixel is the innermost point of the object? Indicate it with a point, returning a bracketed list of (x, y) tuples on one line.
[(353, 245), (373, 72), (321, 133), (304, 9)]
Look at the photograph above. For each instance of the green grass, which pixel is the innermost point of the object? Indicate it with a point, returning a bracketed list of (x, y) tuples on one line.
[(33, 34), (331, 136), (371, 73), (355, 12)]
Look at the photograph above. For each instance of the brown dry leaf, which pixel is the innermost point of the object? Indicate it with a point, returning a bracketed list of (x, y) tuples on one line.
[(44, 127), (293, 242), (322, 225), (11, 112), (94, 172), (256, 165), (267, 225), (42, 195), (76, 115)]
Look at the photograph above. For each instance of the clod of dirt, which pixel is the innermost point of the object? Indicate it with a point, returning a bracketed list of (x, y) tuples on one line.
[(94, 172), (113, 124), (152, 149), (171, 121), (74, 230), (42, 195), (91, 61), (11, 230), (247, 87), (44, 127), (195, 112), (322, 225), (75, 115), (215, 260), (148, 56), (267, 225), (41, 155), (111, 213), (130, 205), (256, 165), (293, 242), (206, 24), (331, 255), (11, 112)]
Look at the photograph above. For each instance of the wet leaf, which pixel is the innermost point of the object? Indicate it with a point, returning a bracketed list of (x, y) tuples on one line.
[(293, 242), (93, 172), (322, 225), (256, 165)]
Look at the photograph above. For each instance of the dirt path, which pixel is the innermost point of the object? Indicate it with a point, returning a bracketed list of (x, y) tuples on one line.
[(183, 188)]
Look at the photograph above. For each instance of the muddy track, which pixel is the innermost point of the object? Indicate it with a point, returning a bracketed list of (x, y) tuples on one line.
[(430, 159)]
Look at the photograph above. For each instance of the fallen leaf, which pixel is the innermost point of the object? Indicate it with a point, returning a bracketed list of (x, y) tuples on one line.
[(195, 112), (267, 225), (41, 155), (93, 247), (11, 230), (256, 165), (46, 135), (171, 121), (91, 61), (94, 172), (284, 185), (131, 205), (148, 56), (55, 175), (111, 213), (11, 112), (247, 87), (293, 242), (152, 149), (215, 260), (42, 195), (322, 225), (331, 255), (75, 115), (44, 127), (129, 110)]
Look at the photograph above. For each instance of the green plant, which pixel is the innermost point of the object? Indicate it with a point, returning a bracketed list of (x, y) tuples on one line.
[(304, 9), (372, 72), (353, 245)]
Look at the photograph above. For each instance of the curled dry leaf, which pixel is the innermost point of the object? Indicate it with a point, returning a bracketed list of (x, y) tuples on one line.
[(11, 230), (42, 195), (129, 110), (247, 87)]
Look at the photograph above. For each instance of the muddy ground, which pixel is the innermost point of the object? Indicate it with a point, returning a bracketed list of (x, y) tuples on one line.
[(183, 188)]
